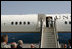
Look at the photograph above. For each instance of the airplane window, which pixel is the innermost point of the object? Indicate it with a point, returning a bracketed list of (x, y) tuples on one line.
[(12, 23), (65, 22), (28, 22), (20, 23), (24, 23), (69, 22), (16, 23)]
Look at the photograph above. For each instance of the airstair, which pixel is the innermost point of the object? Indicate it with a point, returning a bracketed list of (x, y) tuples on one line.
[(48, 38)]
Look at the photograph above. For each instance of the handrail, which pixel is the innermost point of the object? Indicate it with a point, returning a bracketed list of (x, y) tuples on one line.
[(40, 32), (56, 35)]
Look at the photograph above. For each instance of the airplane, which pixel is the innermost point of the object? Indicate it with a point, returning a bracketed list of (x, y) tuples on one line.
[(31, 22)]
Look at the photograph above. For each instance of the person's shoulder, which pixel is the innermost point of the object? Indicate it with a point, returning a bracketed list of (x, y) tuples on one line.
[(7, 46), (2, 45), (18, 46)]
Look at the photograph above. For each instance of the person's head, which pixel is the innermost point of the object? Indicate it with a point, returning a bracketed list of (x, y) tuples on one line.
[(69, 41), (4, 38), (65, 46), (32, 46), (20, 42), (49, 17), (13, 45)]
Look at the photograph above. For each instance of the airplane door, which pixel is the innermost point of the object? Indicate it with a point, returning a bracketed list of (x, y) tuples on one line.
[(47, 25)]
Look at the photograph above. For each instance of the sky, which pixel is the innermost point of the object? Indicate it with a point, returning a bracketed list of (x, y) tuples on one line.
[(35, 7)]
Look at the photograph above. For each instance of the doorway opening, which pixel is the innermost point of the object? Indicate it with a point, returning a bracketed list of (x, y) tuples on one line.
[(47, 25)]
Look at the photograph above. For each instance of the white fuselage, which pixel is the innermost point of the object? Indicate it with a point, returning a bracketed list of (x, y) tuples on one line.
[(6, 25), (30, 23), (60, 22)]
